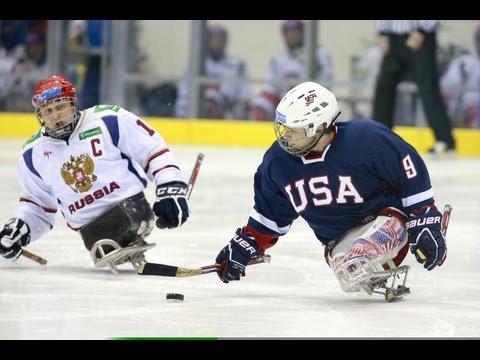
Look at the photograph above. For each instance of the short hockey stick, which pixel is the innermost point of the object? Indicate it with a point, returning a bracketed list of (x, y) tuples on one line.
[(175, 271), (193, 176), (34, 257), (444, 226), (445, 219)]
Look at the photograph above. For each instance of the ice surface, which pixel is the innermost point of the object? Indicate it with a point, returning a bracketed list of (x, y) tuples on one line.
[(294, 296)]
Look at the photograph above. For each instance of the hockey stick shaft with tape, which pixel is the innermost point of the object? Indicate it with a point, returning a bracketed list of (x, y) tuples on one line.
[(34, 257), (176, 271), (193, 176)]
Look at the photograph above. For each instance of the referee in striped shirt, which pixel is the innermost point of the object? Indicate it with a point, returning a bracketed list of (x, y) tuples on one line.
[(412, 44)]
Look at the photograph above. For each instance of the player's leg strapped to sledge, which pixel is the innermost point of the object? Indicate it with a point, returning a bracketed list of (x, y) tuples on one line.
[(118, 235), (368, 257)]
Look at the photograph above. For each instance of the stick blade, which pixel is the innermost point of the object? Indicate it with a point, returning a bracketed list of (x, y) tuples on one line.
[(157, 269), (176, 271)]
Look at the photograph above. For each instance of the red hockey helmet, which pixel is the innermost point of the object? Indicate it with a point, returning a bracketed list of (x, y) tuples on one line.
[(59, 94), (56, 86)]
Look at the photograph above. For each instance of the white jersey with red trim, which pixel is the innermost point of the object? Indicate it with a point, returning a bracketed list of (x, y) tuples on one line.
[(231, 93), (110, 156), (460, 86), (288, 65)]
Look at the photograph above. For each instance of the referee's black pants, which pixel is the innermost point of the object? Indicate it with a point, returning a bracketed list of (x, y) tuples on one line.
[(423, 65)]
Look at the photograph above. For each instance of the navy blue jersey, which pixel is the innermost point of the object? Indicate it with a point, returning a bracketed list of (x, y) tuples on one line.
[(366, 168)]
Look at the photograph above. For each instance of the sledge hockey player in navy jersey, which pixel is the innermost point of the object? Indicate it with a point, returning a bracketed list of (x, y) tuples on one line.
[(357, 185), (93, 165)]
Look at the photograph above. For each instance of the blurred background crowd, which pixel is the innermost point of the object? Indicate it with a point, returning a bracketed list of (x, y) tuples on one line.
[(228, 69)]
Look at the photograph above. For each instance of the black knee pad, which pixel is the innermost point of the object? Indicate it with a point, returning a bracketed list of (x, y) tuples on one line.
[(121, 223)]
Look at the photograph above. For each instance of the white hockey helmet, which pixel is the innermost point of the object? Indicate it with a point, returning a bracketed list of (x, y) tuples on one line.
[(307, 106)]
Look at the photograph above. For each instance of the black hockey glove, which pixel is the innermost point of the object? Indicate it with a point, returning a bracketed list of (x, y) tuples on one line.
[(171, 207), (15, 234), (236, 255), (425, 236)]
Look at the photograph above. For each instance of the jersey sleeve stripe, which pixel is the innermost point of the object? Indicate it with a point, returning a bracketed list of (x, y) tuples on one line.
[(48, 210), (268, 223), (417, 198), (155, 155), (163, 168)]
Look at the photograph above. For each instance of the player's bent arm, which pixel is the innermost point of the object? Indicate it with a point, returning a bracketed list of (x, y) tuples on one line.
[(38, 205), (40, 219), (162, 168), (142, 143)]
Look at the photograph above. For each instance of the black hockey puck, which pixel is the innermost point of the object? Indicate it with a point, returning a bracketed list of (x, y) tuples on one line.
[(175, 296)]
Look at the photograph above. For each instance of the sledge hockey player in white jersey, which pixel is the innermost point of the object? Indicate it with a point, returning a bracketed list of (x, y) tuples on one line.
[(357, 185), (94, 165)]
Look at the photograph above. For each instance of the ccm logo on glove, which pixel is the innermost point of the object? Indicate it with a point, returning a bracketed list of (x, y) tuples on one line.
[(171, 206), (172, 190)]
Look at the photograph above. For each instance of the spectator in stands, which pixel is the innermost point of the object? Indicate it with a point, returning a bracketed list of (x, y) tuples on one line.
[(30, 68), (287, 68), (12, 48), (218, 100), (12, 33), (460, 87), (412, 44)]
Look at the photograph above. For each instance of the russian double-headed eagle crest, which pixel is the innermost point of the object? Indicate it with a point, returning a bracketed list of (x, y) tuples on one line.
[(78, 173)]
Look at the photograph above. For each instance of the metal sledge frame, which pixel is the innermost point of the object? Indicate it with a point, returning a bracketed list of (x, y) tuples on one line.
[(360, 274), (379, 280), (119, 256), (133, 253), (372, 282)]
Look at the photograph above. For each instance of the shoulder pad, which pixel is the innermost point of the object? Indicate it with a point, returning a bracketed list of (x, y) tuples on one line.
[(33, 138), (99, 108)]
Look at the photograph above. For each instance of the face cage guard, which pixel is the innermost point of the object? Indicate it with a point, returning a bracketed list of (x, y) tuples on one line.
[(280, 131), (64, 131)]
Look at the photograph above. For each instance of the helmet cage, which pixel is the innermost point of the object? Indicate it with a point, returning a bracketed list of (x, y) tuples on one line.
[(54, 92), (310, 132), (63, 131)]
